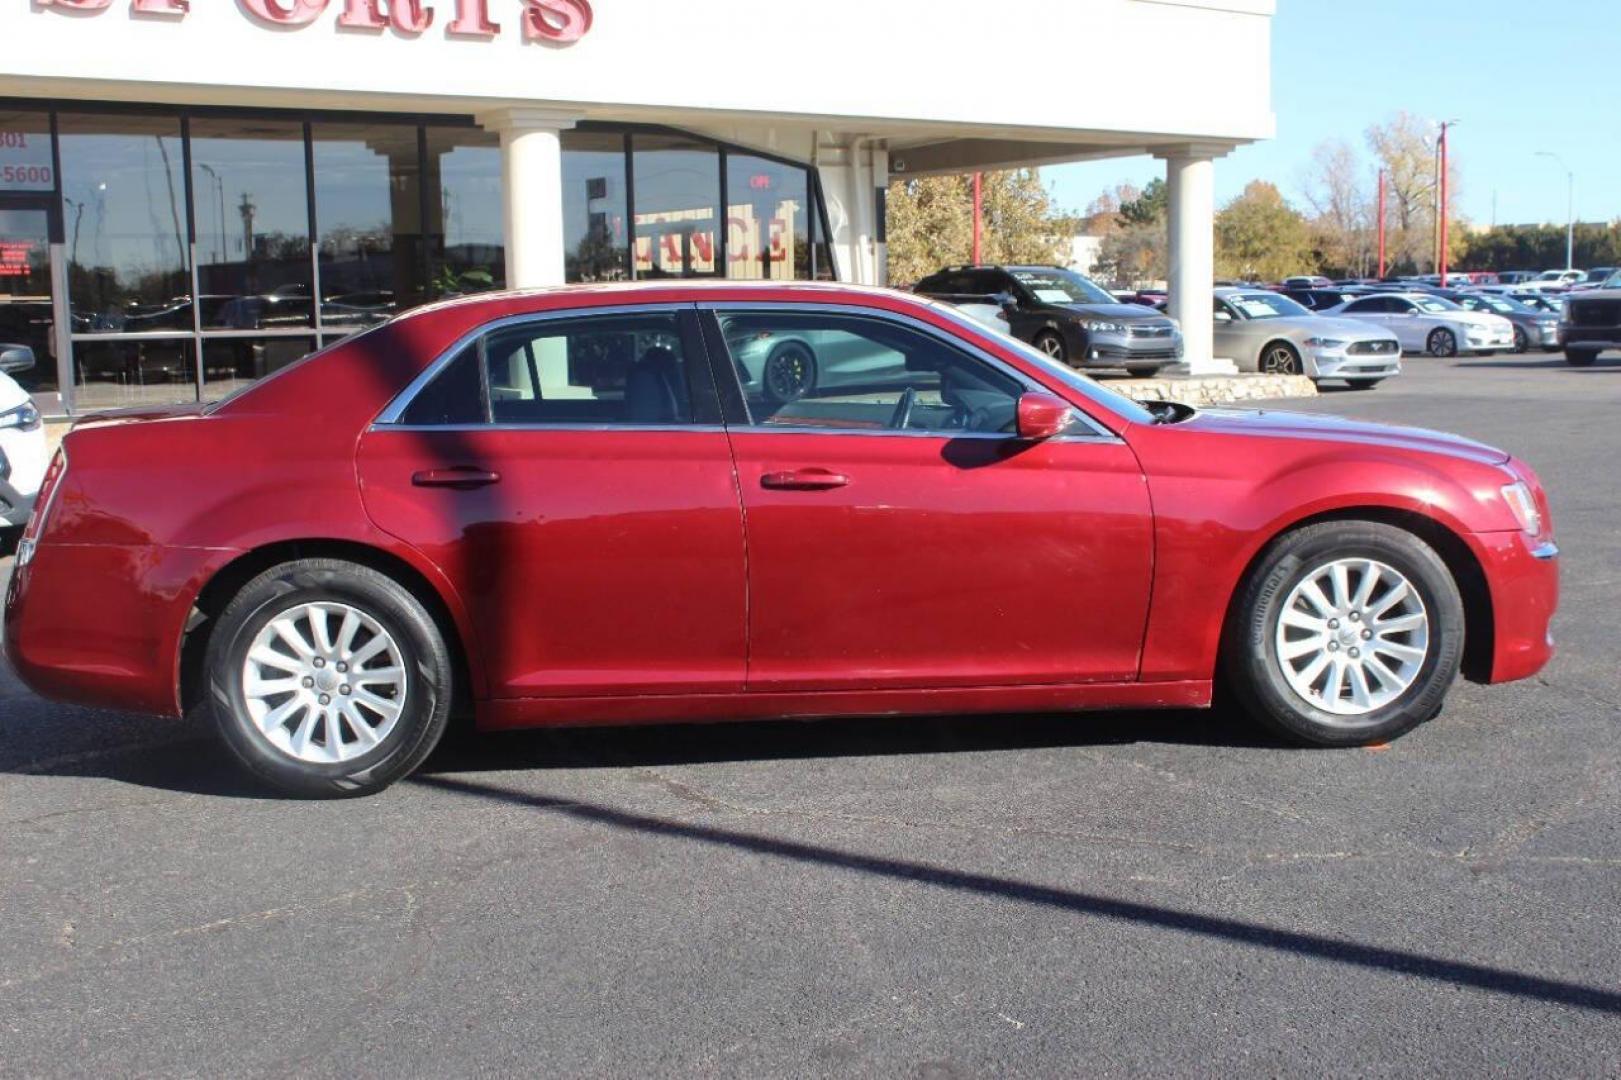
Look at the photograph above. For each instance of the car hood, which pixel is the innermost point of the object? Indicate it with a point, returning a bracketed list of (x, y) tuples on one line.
[(1323, 326), (1290, 425), (1122, 312)]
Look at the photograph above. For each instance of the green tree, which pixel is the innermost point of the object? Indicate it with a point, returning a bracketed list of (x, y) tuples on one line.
[(1259, 236), (1150, 207), (930, 223)]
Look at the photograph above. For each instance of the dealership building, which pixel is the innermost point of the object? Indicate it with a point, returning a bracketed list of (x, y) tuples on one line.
[(193, 194)]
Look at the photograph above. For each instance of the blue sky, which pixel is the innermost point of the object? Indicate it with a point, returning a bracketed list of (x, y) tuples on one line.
[(1521, 75)]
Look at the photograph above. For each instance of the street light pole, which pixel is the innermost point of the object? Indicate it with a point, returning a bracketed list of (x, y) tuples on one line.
[(1570, 208), (1441, 258)]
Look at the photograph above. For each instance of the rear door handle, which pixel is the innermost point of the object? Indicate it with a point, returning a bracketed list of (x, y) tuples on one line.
[(460, 477), (804, 480)]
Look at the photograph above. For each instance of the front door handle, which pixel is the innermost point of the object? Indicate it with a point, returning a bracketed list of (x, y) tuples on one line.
[(460, 477), (804, 480)]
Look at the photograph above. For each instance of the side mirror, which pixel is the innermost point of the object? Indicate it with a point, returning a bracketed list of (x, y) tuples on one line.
[(1224, 316), (16, 358), (1009, 302), (1043, 416)]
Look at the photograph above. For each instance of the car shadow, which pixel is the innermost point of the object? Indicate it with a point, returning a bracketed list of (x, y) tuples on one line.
[(1553, 361), (190, 760)]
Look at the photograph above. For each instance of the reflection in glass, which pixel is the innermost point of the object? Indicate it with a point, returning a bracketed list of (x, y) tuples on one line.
[(230, 363), (465, 230), (123, 204), (116, 374), (368, 213), (595, 242), (25, 151), (677, 206), (25, 294), (252, 220), (766, 220)]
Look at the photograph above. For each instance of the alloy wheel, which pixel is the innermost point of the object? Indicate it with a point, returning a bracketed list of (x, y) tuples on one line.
[(788, 374), (324, 682), (1051, 346), (1352, 637), (1442, 343), (1280, 360)]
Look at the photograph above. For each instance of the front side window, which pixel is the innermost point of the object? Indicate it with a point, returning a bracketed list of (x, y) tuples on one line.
[(861, 373), (595, 370)]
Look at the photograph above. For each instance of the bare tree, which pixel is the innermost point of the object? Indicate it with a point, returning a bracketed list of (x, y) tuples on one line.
[(1337, 190)]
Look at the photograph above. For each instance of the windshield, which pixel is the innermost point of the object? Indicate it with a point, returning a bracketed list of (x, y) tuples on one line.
[(1613, 281), (1116, 403), (1435, 304), (1497, 304), (1062, 287), (1550, 275), (1266, 305)]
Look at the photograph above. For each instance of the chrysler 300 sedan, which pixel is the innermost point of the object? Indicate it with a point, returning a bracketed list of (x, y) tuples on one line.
[(571, 507)]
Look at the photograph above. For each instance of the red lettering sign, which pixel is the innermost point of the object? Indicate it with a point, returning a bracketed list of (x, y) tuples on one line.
[(406, 16), (473, 20), (286, 12), (560, 21), (14, 258)]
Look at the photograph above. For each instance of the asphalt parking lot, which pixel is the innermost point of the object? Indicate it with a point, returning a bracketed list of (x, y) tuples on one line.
[(1038, 895)]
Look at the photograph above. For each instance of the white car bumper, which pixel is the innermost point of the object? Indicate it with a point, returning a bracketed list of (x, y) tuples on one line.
[(1354, 360), (22, 467)]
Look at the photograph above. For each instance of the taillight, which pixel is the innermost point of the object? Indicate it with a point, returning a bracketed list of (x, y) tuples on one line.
[(44, 502)]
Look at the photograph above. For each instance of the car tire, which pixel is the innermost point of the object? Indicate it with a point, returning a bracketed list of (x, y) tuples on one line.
[(1522, 343), (1280, 358), (1362, 384), (1441, 342), (789, 373), (1284, 693), (1580, 357), (1053, 345), (303, 736)]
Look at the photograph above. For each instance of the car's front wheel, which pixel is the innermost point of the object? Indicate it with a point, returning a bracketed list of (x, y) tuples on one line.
[(1053, 345), (1580, 357), (327, 678), (1345, 633), (1522, 343), (1441, 342)]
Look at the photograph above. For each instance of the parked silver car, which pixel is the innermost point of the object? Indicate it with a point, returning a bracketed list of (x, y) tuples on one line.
[(1264, 331), (1426, 323)]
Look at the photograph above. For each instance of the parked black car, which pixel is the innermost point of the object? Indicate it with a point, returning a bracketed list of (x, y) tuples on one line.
[(1592, 323), (1065, 315), (1319, 299)]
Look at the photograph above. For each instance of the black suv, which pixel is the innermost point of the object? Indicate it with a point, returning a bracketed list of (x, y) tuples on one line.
[(1064, 315)]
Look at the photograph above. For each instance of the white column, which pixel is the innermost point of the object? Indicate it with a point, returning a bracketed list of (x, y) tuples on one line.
[(852, 172), (1190, 183), (532, 188)]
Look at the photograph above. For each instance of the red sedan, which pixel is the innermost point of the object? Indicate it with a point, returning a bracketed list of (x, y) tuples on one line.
[(610, 505)]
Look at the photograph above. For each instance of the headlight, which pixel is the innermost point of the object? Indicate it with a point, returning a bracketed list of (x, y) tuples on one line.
[(1105, 327), (24, 416), (1524, 507), (1325, 343)]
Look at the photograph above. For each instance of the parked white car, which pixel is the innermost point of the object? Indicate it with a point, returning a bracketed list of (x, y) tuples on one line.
[(22, 441), (1430, 324), (1554, 279)]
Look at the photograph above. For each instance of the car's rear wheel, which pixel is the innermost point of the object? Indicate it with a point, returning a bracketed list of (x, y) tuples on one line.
[(1280, 358), (327, 678), (1053, 345), (1345, 633), (1441, 342), (1580, 357), (790, 373)]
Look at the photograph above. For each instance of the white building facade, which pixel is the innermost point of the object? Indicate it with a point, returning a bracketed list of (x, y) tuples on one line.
[(194, 193)]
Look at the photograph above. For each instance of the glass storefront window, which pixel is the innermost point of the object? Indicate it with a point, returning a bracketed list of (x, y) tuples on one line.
[(121, 373), (124, 215), (677, 206), (767, 220), (25, 152), (252, 217), (230, 363), (25, 293), (594, 213), (368, 214), (465, 226)]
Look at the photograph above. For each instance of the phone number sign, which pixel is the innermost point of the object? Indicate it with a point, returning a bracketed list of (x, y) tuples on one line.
[(25, 161)]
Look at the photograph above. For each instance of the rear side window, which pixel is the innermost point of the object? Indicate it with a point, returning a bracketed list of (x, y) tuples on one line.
[(615, 370)]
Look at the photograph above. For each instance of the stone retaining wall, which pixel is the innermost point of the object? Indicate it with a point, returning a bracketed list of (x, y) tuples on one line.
[(1216, 390)]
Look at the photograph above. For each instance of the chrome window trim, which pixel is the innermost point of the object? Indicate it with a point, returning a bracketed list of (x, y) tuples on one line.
[(1097, 432), (708, 429), (390, 416)]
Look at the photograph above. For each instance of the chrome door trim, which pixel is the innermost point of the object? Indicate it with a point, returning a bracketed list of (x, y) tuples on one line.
[(391, 413)]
